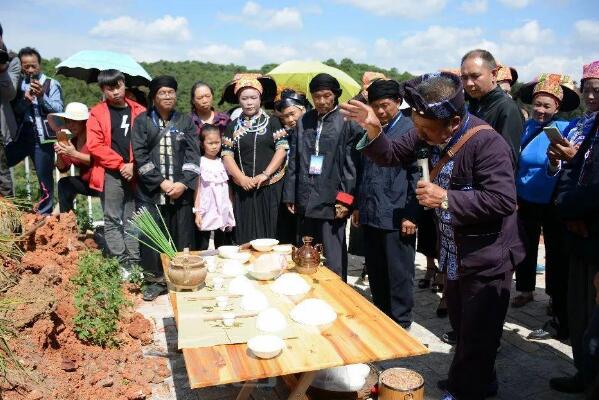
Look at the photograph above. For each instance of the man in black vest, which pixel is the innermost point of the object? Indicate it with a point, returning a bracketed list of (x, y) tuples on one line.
[(321, 176)]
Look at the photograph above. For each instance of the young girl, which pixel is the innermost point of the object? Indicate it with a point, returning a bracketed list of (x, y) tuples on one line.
[(213, 207)]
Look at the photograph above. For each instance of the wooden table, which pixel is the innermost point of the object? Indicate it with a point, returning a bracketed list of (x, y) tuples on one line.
[(360, 334)]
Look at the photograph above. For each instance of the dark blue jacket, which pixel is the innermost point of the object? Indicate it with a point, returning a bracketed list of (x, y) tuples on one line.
[(577, 194), (386, 195)]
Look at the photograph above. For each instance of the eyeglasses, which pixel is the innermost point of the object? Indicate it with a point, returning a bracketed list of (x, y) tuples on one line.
[(166, 95)]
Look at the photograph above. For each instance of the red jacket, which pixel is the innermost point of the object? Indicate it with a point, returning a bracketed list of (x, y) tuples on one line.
[(99, 142)]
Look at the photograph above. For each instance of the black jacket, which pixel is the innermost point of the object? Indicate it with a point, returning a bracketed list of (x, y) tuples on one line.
[(500, 111), (314, 196), (578, 194), (145, 140), (386, 195)]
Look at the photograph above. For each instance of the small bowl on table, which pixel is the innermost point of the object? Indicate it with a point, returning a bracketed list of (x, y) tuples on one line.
[(266, 346), (264, 245), (233, 253)]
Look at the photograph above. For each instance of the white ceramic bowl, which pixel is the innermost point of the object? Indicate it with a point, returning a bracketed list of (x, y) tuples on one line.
[(242, 256), (266, 346), (228, 251), (282, 249), (264, 244), (264, 275)]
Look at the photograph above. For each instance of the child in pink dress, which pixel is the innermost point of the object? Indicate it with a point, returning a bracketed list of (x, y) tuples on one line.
[(213, 206)]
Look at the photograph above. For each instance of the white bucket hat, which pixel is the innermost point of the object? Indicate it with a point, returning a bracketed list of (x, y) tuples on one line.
[(74, 111)]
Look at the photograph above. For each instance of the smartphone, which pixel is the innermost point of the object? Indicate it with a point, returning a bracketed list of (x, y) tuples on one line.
[(553, 134)]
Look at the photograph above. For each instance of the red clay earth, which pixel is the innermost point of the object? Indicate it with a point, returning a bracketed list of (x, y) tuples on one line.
[(61, 366)]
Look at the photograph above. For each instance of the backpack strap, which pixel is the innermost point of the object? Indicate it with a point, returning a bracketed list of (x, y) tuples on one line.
[(455, 149)]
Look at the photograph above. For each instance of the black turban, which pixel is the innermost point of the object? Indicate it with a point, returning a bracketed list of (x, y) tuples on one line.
[(289, 98), (325, 82), (446, 108), (160, 82), (383, 89)]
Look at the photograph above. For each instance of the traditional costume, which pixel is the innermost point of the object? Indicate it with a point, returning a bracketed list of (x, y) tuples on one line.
[(536, 190), (478, 232), (577, 193), (252, 142), (322, 172), (166, 149)]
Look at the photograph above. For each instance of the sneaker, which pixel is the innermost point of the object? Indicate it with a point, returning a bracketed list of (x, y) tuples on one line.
[(152, 291), (567, 384), (546, 332), (450, 338)]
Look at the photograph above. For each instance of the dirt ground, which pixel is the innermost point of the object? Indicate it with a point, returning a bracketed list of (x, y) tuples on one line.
[(58, 364)]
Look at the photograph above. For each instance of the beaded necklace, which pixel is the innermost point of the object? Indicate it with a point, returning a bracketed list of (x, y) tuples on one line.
[(244, 126)]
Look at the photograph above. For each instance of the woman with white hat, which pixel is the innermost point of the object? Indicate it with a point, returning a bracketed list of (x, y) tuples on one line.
[(71, 149)]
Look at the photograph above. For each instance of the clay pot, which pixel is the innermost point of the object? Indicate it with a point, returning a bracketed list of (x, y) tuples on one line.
[(187, 271), (307, 257)]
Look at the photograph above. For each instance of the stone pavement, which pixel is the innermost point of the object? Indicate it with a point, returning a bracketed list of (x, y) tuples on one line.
[(523, 366)]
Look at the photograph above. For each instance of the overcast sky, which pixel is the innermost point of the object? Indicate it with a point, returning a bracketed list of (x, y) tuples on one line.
[(413, 35)]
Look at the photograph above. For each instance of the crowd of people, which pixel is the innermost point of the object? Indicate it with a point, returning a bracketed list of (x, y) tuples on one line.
[(459, 170)]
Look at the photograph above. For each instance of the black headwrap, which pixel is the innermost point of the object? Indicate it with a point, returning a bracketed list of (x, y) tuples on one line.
[(160, 82), (446, 108), (290, 97), (325, 82), (383, 89)]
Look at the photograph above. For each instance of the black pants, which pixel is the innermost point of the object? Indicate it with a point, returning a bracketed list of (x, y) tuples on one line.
[(581, 305), (331, 233), (535, 217), (220, 239), (390, 260), (477, 307), (180, 222), (68, 188)]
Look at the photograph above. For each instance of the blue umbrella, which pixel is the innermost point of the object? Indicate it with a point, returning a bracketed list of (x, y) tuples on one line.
[(86, 65)]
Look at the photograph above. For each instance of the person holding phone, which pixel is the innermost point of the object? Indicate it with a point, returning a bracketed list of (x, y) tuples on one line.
[(71, 149), (37, 96), (548, 95)]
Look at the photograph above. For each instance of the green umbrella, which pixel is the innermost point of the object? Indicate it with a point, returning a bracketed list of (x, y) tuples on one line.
[(298, 74), (86, 64)]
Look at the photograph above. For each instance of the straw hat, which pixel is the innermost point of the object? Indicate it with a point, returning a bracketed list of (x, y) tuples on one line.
[(561, 87)]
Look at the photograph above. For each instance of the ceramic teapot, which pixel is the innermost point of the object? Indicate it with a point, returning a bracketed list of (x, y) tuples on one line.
[(307, 257)]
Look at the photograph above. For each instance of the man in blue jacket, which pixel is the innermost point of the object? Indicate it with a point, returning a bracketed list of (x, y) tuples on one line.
[(37, 96), (387, 210)]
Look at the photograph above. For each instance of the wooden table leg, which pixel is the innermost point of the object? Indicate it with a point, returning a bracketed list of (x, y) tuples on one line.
[(302, 385), (246, 390)]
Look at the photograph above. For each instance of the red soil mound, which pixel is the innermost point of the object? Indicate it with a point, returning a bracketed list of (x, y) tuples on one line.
[(61, 366)]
